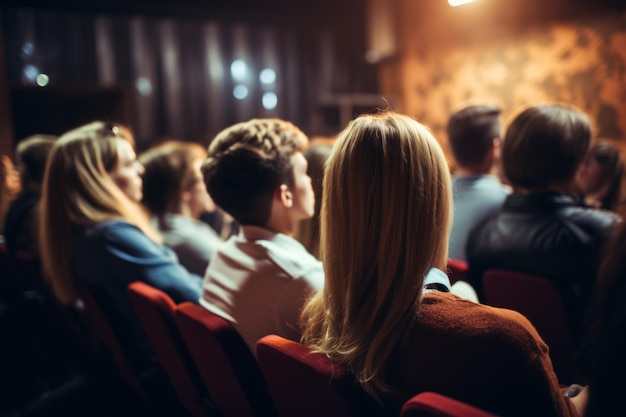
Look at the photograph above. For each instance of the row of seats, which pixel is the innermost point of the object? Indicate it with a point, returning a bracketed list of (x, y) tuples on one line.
[(215, 374), (539, 301), (37, 353)]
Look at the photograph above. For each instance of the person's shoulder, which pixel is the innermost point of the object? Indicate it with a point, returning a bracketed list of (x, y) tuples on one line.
[(485, 189), (592, 221), (120, 235), (183, 230), (112, 229), (476, 320), (292, 257)]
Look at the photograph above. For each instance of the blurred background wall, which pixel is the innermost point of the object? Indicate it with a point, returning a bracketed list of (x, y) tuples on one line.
[(512, 53), (187, 69)]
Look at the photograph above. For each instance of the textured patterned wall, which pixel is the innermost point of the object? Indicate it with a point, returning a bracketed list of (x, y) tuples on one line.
[(510, 61)]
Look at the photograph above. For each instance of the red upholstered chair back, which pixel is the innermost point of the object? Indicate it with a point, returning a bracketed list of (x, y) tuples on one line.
[(228, 368), (304, 383), (155, 310), (540, 302), (430, 404), (458, 271)]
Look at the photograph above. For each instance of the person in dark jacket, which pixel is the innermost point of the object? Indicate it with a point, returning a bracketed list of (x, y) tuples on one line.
[(541, 229)]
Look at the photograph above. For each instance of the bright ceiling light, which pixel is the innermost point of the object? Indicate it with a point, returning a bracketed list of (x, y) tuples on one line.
[(455, 3)]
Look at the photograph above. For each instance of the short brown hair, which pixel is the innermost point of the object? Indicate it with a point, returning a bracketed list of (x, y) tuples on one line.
[(544, 145), (471, 132), (247, 163), (32, 155), (169, 170)]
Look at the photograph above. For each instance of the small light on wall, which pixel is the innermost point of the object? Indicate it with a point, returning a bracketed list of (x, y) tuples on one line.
[(42, 80), (455, 3), (270, 101), (267, 76), (31, 72), (144, 86), (240, 92), (238, 70), (28, 49)]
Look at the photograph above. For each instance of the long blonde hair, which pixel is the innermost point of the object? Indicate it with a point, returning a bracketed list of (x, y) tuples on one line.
[(78, 192), (385, 219)]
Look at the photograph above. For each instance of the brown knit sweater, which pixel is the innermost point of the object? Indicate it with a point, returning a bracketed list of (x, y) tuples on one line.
[(489, 357)]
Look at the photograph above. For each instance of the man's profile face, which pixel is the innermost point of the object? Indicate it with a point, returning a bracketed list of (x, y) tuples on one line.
[(302, 190)]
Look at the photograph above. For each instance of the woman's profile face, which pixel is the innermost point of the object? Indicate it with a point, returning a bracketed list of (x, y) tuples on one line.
[(303, 195), (127, 173), (591, 176), (196, 196)]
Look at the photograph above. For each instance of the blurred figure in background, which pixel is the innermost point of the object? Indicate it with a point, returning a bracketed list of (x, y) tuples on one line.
[(308, 230), (94, 232), (600, 178), (9, 188), (21, 227), (474, 135), (542, 229), (175, 194), (601, 357)]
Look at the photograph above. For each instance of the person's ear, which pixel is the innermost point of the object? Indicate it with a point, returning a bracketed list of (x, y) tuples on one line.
[(496, 148), (185, 196), (286, 197)]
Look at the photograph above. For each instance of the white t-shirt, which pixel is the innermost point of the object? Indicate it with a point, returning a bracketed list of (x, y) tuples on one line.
[(259, 281)]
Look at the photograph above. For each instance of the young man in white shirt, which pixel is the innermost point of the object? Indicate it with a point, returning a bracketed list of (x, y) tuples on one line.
[(260, 279)]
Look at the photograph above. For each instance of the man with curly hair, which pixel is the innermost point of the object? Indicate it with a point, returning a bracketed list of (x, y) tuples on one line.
[(260, 279)]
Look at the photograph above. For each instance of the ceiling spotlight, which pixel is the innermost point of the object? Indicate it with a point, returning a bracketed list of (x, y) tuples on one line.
[(455, 3)]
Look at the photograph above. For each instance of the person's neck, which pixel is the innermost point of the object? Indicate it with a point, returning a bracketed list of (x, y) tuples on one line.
[(597, 195), (280, 225), (474, 170), (185, 210), (555, 188)]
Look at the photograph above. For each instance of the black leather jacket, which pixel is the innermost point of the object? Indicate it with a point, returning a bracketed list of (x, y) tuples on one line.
[(548, 234)]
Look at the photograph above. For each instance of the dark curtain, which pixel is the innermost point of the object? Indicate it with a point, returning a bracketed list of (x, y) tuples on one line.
[(177, 72)]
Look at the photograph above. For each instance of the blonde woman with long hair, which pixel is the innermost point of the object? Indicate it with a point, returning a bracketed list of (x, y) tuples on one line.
[(94, 232), (385, 310)]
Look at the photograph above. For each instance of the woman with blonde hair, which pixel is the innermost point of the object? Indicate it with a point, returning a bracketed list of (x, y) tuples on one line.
[(94, 232), (175, 194), (386, 311)]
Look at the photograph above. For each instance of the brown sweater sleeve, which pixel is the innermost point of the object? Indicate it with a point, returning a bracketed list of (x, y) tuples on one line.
[(537, 376), (491, 358)]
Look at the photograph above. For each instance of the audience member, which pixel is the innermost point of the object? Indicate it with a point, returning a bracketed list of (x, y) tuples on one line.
[(21, 226), (308, 230), (600, 178), (220, 221), (175, 194), (602, 359), (541, 229), (260, 278), (474, 136), (9, 188), (385, 310), (93, 231)]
